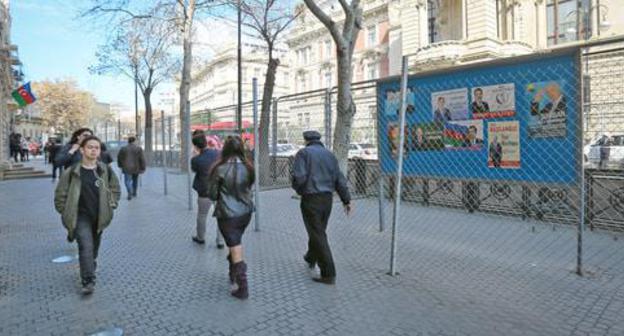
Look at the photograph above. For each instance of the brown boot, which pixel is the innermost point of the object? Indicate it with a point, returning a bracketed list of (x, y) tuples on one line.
[(240, 278)]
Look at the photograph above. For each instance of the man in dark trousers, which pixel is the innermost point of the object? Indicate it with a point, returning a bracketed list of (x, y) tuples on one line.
[(315, 176), (132, 163)]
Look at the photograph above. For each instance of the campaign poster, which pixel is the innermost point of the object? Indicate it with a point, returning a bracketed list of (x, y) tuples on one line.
[(466, 134), (393, 139), (393, 102), (494, 101), (504, 144), (426, 137), (548, 109), (449, 105)]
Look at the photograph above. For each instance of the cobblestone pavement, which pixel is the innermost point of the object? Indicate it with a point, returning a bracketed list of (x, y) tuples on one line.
[(496, 276)]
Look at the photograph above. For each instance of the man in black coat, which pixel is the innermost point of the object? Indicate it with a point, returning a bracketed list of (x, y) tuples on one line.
[(315, 176), (132, 163)]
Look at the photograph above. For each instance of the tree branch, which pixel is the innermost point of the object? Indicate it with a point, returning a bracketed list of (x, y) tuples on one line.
[(326, 21)]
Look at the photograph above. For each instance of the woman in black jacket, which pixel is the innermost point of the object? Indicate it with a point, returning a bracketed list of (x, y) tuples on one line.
[(70, 153), (230, 187)]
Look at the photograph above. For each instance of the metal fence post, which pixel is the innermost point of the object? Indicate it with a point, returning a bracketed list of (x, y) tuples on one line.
[(274, 142), (118, 130), (162, 151), (186, 131), (106, 132), (381, 197), (256, 156), (327, 125), (581, 168), (399, 168), (169, 155)]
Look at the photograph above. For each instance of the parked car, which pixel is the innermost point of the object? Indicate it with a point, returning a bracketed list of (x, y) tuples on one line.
[(364, 151), (606, 149), (285, 150)]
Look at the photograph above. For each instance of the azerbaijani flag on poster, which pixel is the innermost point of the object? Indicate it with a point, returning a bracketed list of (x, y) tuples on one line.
[(23, 96), (454, 134)]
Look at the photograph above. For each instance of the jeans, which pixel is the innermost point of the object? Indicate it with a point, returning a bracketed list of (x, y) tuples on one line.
[(203, 208), (54, 169), (316, 209), (132, 183), (88, 246)]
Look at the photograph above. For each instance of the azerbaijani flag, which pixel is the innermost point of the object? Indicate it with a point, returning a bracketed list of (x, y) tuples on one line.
[(23, 96), (454, 134)]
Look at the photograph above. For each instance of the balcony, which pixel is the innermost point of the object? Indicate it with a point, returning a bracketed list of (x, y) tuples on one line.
[(451, 52)]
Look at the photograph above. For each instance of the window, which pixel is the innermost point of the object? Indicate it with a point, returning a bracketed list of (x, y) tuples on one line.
[(328, 79), (432, 25), (568, 20), (372, 36), (328, 49), (371, 71)]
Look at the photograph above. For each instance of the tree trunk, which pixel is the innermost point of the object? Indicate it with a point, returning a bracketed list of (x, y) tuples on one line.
[(185, 86), (265, 119), (147, 94), (345, 111)]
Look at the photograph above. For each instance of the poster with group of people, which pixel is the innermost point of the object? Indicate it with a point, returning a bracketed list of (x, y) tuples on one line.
[(504, 119), (459, 124)]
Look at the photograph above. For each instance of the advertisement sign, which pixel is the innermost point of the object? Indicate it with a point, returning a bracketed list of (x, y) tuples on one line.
[(449, 105)]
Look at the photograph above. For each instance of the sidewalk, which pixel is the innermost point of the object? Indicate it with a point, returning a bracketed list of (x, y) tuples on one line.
[(496, 277)]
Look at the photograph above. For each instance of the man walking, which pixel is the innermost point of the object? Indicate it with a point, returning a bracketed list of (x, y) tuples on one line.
[(201, 164), (315, 176), (132, 163)]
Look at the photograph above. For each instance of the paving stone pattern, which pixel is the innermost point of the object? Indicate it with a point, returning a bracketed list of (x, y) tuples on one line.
[(460, 274)]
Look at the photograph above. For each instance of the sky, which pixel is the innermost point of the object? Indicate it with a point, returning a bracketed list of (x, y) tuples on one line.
[(54, 43)]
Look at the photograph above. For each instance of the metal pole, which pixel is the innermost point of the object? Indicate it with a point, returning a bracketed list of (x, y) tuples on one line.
[(106, 132), (382, 214), (327, 130), (164, 154), (239, 108), (137, 123), (399, 168), (118, 130), (579, 145), (274, 142), (256, 155), (169, 135), (186, 131)]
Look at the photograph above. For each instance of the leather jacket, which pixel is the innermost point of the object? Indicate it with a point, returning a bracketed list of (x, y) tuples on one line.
[(230, 187)]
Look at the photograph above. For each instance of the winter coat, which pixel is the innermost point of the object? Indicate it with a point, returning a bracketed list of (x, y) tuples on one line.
[(201, 165), (316, 171), (131, 159), (230, 187), (67, 197)]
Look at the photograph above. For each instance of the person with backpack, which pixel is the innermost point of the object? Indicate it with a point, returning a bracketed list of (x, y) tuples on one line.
[(229, 186), (201, 164), (86, 196)]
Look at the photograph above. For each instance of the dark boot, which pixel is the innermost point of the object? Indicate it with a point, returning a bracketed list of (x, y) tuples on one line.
[(231, 269), (240, 277)]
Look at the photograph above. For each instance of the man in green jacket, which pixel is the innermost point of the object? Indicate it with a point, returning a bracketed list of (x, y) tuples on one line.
[(86, 197)]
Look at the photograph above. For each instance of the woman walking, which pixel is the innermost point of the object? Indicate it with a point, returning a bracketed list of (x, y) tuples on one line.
[(86, 196), (230, 187)]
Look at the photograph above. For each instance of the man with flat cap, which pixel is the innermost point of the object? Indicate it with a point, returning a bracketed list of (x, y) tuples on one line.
[(315, 176)]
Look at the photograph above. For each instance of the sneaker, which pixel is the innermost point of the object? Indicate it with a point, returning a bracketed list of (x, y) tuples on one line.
[(220, 245), (88, 288), (129, 197)]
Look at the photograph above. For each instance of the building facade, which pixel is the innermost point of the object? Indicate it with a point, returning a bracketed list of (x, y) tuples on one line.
[(8, 60), (215, 85)]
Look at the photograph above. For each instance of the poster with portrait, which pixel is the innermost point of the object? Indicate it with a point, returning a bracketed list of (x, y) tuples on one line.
[(548, 109), (426, 137), (504, 144), (465, 134), (450, 105), (392, 103), (494, 101)]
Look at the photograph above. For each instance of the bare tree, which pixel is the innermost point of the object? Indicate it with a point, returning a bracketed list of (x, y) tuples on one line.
[(345, 39), (140, 50), (267, 19)]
